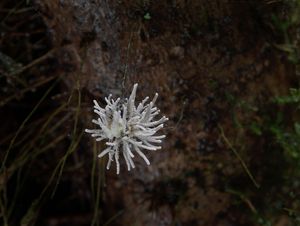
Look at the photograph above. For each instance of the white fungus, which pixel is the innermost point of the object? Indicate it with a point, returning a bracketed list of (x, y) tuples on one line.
[(127, 128)]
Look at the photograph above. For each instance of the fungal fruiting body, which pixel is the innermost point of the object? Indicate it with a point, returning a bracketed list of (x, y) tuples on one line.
[(127, 128)]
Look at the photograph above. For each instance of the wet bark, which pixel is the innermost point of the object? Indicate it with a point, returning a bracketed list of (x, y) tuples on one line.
[(196, 55)]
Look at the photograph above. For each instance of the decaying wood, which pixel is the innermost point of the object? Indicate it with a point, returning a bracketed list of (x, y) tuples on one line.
[(193, 53)]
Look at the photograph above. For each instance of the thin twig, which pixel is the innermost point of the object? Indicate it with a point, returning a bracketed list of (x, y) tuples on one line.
[(37, 84), (33, 63), (126, 64), (22, 126), (239, 157)]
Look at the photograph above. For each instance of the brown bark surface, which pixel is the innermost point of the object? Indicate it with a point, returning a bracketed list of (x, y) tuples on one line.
[(198, 55)]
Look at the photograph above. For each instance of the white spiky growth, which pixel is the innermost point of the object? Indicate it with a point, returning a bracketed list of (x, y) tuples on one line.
[(127, 128)]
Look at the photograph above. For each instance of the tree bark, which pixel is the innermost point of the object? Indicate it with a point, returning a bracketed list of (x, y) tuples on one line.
[(196, 55)]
